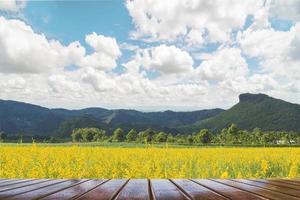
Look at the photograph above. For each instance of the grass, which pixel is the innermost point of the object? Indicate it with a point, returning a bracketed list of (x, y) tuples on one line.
[(141, 145)]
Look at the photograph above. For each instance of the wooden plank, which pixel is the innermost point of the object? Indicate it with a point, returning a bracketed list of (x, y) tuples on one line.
[(39, 193), (292, 182), (7, 180), (156, 189), (196, 191), (257, 190), (22, 190), (165, 189), (76, 191), (275, 188), (108, 190), (227, 191), (279, 184), (14, 181), (22, 184), (135, 189), (3, 179)]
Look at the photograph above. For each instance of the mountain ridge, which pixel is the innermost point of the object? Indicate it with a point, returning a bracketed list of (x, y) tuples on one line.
[(19, 117), (256, 111), (252, 110)]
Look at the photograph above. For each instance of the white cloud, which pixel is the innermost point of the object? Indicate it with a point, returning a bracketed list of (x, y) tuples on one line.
[(164, 59), (12, 5), (99, 80), (129, 46), (295, 43), (24, 51), (195, 37), (286, 9), (277, 51), (106, 52), (165, 21), (106, 45), (226, 63), (32, 65)]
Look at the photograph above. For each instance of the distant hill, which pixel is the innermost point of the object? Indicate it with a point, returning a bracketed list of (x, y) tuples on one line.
[(255, 110), (23, 118)]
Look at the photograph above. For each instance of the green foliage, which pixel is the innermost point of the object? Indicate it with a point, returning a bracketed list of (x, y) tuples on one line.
[(161, 137), (131, 136), (203, 137), (146, 136), (87, 134), (170, 138), (118, 135), (3, 136), (255, 110)]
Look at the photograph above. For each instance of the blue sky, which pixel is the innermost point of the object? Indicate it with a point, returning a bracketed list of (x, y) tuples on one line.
[(148, 54)]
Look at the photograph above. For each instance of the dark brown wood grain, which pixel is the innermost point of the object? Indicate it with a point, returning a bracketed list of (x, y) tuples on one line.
[(154, 189), (76, 191), (257, 190), (227, 191), (291, 182), (39, 193), (14, 192), (196, 191), (270, 187), (105, 191), (135, 189), (165, 189), (281, 185)]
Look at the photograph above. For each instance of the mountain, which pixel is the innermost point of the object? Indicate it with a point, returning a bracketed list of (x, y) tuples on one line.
[(256, 110), (253, 110), (27, 119)]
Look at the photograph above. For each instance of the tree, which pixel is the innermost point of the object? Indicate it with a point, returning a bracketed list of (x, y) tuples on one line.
[(180, 139), (87, 134), (223, 136), (146, 135), (256, 135), (170, 138), (76, 135), (203, 137), (118, 135), (233, 133), (3, 136), (131, 136), (161, 137), (99, 135), (190, 139)]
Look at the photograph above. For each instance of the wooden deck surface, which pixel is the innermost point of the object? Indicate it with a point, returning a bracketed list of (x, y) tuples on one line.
[(134, 189)]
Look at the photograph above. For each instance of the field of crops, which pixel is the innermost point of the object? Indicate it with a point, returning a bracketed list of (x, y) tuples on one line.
[(105, 162)]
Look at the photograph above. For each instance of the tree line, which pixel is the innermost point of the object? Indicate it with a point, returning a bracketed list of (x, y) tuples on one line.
[(230, 135)]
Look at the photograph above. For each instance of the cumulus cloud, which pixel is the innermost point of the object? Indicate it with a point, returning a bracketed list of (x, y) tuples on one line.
[(33, 67), (164, 59), (106, 52), (25, 51), (289, 10), (106, 45), (155, 19), (226, 63), (12, 5), (277, 51), (99, 80)]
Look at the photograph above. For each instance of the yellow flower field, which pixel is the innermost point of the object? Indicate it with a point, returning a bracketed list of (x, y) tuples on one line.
[(106, 162)]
